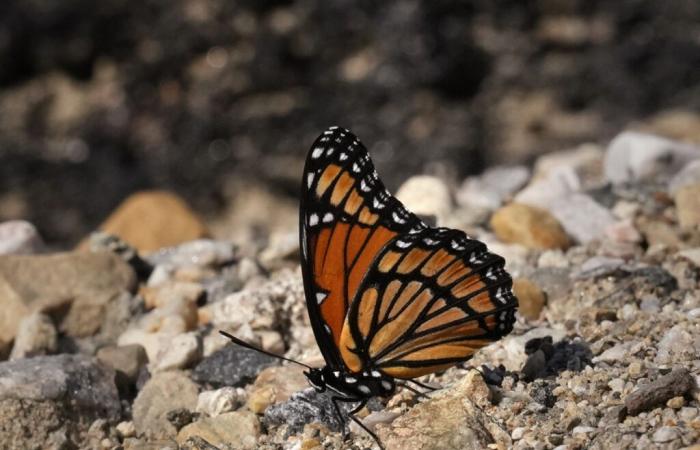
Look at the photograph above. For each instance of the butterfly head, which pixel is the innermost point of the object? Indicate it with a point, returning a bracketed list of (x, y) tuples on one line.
[(316, 379)]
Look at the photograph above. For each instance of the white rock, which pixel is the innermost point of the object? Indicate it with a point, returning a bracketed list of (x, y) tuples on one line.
[(677, 345), (182, 351), (200, 253), (665, 434), (690, 174), (282, 245), (616, 384), (426, 195), (126, 429), (582, 430), (490, 189), (582, 218), (518, 433), (219, 401), (618, 353), (19, 237), (36, 335), (560, 182), (691, 254), (151, 342), (584, 160), (633, 156)]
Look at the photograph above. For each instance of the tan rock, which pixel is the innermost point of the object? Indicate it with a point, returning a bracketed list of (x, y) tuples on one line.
[(164, 392), (75, 287), (453, 419), (688, 206), (531, 299), (275, 385), (529, 226), (238, 429), (150, 220)]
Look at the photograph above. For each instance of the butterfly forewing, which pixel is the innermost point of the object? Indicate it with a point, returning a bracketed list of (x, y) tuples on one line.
[(430, 300), (346, 218)]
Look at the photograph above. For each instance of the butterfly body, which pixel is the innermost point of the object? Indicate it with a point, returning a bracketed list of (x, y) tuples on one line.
[(360, 385), (389, 298)]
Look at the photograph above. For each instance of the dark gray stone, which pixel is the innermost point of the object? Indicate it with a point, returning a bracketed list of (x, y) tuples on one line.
[(305, 407), (43, 397), (233, 365)]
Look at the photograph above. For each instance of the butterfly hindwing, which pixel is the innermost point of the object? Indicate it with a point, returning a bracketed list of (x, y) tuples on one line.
[(431, 300), (346, 218)]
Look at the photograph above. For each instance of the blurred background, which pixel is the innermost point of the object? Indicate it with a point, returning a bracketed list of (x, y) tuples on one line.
[(219, 100)]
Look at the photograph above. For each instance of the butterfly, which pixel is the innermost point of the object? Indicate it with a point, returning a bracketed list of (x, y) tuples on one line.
[(389, 298)]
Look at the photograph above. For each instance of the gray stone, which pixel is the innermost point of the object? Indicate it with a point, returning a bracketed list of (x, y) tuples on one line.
[(36, 335), (233, 365), (658, 392), (46, 397), (633, 156), (164, 392), (18, 237)]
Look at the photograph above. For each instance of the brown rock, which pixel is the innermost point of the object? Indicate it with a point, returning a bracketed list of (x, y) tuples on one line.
[(688, 206), (530, 226), (76, 287), (127, 359), (531, 299), (675, 384), (150, 220)]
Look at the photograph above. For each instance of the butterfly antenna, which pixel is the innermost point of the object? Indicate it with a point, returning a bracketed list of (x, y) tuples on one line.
[(244, 344)]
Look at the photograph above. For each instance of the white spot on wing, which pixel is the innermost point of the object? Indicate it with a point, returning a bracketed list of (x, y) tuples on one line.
[(310, 180), (313, 219), (318, 151), (355, 168), (364, 187), (350, 380), (386, 385), (320, 297), (343, 156), (330, 151), (398, 219), (376, 374), (403, 244), (364, 389), (328, 217)]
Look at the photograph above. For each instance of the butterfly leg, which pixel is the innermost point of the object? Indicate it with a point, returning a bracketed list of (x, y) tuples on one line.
[(414, 390), (351, 414), (424, 386)]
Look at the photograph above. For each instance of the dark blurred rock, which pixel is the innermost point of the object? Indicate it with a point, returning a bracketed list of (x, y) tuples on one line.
[(233, 365), (47, 397), (677, 383), (192, 96), (546, 358)]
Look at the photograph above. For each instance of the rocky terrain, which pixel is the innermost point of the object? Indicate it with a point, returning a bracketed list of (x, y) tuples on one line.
[(116, 344)]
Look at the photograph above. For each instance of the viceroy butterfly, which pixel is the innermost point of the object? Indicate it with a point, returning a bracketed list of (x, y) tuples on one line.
[(389, 298)]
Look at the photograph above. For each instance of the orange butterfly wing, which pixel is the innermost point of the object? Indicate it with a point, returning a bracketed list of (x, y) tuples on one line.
[(431, 300), (346, 218)]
